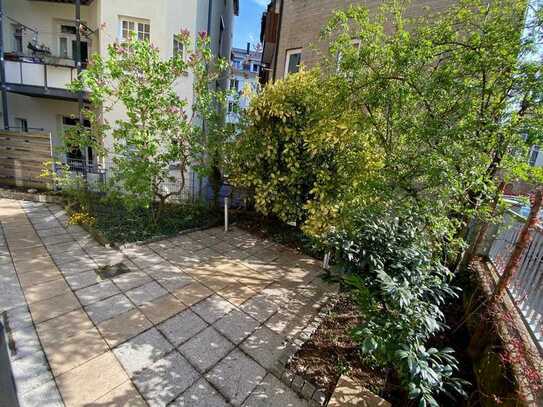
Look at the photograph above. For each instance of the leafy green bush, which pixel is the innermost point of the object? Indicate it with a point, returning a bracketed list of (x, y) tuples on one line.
[(399, 287), (297, 152)]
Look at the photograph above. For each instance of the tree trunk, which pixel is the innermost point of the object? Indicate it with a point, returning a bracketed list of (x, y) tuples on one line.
[(523, 241), (472, 250)]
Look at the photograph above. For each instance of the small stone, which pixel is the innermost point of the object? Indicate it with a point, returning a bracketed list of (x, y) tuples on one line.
[(308, 390), (287, 377), (319, 396), (297, 383)]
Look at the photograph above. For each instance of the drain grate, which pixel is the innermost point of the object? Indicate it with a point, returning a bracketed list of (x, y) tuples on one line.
[(112, 271)]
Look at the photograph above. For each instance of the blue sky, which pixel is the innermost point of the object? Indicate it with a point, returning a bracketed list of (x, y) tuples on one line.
[(247, 25)]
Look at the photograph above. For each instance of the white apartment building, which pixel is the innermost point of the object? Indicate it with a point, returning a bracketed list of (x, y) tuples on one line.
[(40, 48), (244, 78)]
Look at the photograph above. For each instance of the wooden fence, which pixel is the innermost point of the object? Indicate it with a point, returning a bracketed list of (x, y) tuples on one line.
[(21, 159)]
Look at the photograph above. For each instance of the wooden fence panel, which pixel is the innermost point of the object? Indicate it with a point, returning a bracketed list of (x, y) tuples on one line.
[(21, 159)]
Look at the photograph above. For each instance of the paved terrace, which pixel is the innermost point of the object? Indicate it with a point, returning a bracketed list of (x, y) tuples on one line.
[(198, 320)]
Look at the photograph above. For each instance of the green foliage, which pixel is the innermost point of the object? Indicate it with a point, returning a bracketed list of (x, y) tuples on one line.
[(119, 223), (154, 130), (296, 151), (449, 100), (399, 288)]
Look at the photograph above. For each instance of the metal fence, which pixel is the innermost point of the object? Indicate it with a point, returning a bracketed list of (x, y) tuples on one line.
[(196, 188), (526, 287)]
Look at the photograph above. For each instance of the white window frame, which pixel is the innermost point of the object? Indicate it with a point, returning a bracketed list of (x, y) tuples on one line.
[(288, 54), (534, 155), (134, 25)]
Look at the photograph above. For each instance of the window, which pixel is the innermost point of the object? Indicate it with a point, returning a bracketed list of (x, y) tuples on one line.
[(293, 60), (177, 47), (255, 67), (68, 29), (234, 84), (141, 30), (534, 155), (21, 124), (63, 47), (231, 107)]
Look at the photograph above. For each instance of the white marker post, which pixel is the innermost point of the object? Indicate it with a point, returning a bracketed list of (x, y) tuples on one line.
[(226, 214)]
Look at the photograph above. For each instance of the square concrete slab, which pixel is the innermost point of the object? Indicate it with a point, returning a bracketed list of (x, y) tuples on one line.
[(237, 293), (45, 395), (236, 376), (123, 327), (92, 380), (97, 292), (166, 379), (68, 324), (272, 392), (236, 326), (162, 308), (200, 394), (46, 290), (206, 349), (142, 350), (182, 327), (66, 354), (131, 280), (192, 293), (265, 346), (213, 308), (123, 395), (260, 308), (82, 280), (146, 293), (108, 308), (53, 307)]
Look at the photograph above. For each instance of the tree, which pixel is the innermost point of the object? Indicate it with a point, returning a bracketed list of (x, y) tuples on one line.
[(155, 130), (452, 100)]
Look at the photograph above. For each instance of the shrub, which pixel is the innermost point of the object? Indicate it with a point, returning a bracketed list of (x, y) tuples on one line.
[(297, 153), (399, 287)]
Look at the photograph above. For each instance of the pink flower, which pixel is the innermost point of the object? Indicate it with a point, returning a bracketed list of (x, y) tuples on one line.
[(202, 35), (184, 34)]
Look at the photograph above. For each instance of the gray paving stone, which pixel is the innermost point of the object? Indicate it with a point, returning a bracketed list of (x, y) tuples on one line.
[(142, 350), (30, 372), (236, 326), (73, 256), (236, 376), (146, 293), (47, 395), (173, 280), (18, 318), (182, 327), (259, 307), (213, 308), (64, 248), (57, 239), (265, 346), (165, 379), (96, 292), (272, 392), (206, 349), (77, 266), (108, 308), (131, 280), (25, 343), (200, 394), (82, 280), (56, 231), (11, 295)]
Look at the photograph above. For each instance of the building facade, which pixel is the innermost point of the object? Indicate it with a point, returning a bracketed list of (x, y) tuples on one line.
[(244, 78), (43, 44), (290, 30)]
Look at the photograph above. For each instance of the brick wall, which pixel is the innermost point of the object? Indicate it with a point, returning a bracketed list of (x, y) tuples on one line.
[(303, 20)]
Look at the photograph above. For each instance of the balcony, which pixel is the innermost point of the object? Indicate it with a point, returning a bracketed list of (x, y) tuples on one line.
[(40, 77)]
